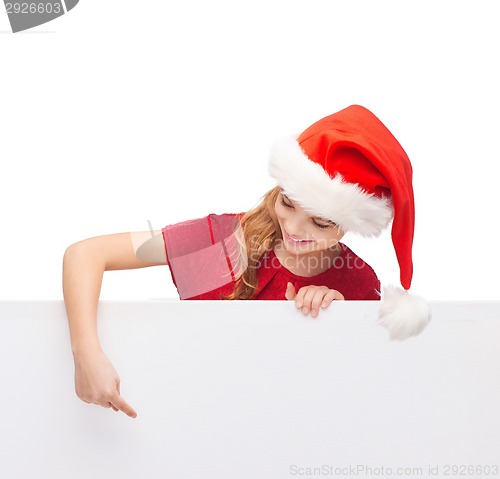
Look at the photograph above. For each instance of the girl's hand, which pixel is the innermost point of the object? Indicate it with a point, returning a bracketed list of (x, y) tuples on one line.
[(96, 382), (310, 298)]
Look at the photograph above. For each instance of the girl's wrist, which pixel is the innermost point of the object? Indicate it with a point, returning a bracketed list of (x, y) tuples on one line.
[(82, 348)]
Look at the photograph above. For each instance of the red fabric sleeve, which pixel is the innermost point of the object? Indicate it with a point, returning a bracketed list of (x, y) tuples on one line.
[(203, 254)]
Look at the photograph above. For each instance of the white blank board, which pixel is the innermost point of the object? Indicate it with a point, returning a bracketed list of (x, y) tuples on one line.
[(253, 389)]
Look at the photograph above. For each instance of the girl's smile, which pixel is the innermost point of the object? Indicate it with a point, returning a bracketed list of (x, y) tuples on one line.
[(295, 242)]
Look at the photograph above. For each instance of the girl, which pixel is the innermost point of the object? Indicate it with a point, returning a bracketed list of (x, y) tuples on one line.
[(346, 172)]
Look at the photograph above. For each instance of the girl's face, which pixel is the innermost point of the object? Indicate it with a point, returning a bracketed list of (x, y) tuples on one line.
[(301, 232)]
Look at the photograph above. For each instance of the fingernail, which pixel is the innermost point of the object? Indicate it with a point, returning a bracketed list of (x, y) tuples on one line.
[(305, 310), (299, 305), (323, 304)]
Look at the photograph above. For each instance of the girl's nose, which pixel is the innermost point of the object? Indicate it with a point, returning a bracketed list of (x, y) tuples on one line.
[(295, 228)]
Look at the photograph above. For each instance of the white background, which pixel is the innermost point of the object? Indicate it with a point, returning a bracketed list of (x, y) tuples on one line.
[(121, 112)]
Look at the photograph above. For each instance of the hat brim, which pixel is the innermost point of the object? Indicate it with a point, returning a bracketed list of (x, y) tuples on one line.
[(346, 204)]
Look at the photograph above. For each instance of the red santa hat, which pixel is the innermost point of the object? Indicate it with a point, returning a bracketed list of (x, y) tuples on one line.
[(349, 168)]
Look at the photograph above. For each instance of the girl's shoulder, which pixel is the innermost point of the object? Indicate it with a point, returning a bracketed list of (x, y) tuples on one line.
[(362, 281), (209, 241), (223, 225), (352, 262)]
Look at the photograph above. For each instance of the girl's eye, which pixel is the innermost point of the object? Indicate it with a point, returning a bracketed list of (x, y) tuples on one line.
[(315, 224), (321, 226)]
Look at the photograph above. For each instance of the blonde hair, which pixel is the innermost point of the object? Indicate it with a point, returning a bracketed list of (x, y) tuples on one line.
[(260, 229)]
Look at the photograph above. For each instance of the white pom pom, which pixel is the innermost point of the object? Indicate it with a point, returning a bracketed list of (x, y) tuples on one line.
[(402, 314)]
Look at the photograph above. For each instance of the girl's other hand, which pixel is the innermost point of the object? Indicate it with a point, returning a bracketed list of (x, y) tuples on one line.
[(311, 298), (96, 382)]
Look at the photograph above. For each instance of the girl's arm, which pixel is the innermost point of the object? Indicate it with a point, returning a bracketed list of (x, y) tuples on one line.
[(84, 263)]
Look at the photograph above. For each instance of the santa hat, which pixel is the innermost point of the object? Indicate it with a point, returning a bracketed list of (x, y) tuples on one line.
[(349, 168)]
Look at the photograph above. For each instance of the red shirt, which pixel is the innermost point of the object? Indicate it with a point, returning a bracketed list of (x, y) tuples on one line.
[(201, 253)]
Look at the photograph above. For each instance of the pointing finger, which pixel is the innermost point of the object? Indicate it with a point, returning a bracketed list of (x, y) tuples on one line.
[(120, 403)]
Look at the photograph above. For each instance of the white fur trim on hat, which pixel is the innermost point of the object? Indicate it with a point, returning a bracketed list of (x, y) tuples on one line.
[(403, 314), (306, 182)]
